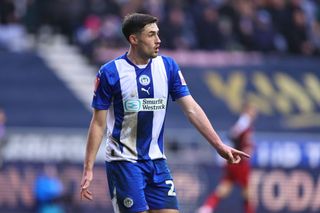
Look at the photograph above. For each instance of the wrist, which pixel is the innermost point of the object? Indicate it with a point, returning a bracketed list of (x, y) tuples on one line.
[(218, 145), (87, 167)]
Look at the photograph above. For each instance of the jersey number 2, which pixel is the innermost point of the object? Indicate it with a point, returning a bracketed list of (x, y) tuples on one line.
[(171, 192)]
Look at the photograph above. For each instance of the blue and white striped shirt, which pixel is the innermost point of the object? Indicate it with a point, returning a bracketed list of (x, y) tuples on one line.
[(137, 100)]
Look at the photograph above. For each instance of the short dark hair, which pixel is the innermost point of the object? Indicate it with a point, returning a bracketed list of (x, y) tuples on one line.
[(135, 22)]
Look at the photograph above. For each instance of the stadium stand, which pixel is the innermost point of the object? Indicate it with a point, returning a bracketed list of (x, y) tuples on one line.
[(33, 96)]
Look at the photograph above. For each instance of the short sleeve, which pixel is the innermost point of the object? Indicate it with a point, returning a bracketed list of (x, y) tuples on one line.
[(102, 92), (177, 85)]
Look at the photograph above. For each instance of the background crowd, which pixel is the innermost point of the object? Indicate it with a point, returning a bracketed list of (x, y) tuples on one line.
[(285, 26)]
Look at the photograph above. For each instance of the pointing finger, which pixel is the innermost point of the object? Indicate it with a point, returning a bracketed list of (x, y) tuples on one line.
[(241, 153)]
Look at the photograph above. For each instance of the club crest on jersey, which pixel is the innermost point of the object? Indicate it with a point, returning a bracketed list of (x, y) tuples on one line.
[(128, 202), (144, 80)]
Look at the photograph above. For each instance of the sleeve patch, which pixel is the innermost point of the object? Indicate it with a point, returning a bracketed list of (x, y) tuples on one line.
[(183, 82), (96, 84)]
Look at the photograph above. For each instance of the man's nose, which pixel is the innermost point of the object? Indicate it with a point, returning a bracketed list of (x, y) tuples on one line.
[(158, 40)]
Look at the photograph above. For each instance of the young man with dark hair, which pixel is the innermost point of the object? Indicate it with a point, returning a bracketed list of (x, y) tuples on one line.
[(130, 99)]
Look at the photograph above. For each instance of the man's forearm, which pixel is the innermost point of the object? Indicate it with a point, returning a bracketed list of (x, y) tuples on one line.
[(95, 136), (199, 119)]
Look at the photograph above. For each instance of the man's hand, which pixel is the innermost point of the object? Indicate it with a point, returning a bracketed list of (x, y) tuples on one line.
[(85, 183), (230, 154)]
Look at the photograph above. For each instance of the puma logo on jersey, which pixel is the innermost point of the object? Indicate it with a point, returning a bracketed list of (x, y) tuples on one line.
[(146, 90)]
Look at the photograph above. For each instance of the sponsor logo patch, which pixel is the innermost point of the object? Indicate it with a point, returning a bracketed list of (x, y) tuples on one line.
[(145, 104)]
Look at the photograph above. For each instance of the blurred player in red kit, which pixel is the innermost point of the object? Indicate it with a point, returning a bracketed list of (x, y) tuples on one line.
[(241, 136)]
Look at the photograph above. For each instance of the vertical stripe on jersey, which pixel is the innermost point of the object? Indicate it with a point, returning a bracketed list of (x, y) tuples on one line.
[(128, 132), (111, 123), (160, 85), (114, 201), (145, 118), (115, 115)]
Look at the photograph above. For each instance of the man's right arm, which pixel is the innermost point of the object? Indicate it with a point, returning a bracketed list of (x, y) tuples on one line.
[(95, 135)]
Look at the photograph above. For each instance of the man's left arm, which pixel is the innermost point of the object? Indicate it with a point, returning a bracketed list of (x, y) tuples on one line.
[(198, 118)]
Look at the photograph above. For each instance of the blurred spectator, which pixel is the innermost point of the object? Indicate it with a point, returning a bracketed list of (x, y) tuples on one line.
[(12, 33), (156, 8), (7, 12), (261, 25), (133, 6), (49, 191), (244, 25), (280, 15), (229, 39), (176, 30), (298, 38), (110, 31), (72, 14), (99, 32), (209, 35), (263, 34), (315, 34), (3, 136), (99, 7), (31, 16), (87, 34)]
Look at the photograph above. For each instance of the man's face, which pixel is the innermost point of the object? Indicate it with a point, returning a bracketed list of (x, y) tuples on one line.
[(148, 41)]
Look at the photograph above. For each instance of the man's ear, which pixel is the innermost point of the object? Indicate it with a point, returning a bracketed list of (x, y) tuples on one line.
[(133, 39)]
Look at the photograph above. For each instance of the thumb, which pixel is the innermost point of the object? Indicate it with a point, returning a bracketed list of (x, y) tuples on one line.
[(85, 183), (231, 158), (237, 159)]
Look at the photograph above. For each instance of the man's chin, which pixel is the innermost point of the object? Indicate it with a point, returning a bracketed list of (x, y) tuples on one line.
[(154, 55)]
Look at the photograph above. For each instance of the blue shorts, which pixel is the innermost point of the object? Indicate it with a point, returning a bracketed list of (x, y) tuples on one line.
[(140, 186)]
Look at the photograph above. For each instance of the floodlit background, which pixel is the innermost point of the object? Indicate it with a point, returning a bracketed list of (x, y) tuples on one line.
[(266, 51)]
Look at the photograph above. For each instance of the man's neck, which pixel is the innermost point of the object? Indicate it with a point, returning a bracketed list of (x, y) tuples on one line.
[(135, 58)]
